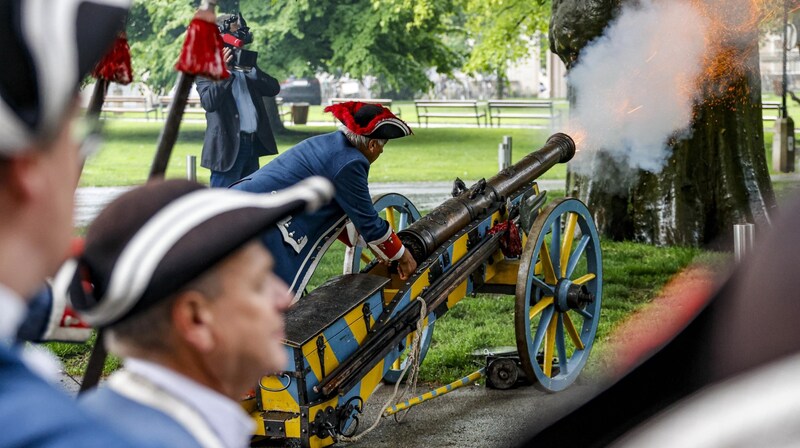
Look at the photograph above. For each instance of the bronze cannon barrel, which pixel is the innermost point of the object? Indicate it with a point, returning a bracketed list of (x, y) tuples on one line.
[(424, 236)]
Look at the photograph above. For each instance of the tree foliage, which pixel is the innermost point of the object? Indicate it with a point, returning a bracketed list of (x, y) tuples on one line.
[(503, 31), (397, 41)]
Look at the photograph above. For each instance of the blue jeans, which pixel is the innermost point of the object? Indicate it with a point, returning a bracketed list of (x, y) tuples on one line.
[(246, 163)]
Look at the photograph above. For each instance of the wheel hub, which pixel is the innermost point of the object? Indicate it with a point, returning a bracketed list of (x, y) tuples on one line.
[(572, 296)]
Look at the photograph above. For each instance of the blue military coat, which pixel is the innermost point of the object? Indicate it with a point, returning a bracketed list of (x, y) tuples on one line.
[(136, 419), (34, 414), (335, 158)]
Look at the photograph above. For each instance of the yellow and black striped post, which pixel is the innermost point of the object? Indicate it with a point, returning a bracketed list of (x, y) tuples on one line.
[(438, 392)]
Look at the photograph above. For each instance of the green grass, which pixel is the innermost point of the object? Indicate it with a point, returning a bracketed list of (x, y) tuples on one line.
[(633, 275), (75, 357), (430, 155)]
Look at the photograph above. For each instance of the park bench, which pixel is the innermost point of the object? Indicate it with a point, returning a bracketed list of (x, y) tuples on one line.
[(770, 106), (521, 109), (193, 105), (122, 104), (385, 102), (448, 109)]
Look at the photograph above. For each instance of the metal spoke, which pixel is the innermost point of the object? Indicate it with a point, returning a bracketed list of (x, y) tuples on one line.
[(561, 346), (555, 245), (542, 285), (573, 333), (547, 315), (549, 347), (566, 245), (585, 279), (585, 313), (540, 305), (576, 256), (403, 221), (390, 217), (547, 265)]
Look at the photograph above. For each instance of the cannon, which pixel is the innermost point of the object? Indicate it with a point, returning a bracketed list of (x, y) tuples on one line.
[(356, 330)]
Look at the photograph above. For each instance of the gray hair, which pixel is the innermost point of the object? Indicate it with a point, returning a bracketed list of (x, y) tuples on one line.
[(359, 141), (149, 331)]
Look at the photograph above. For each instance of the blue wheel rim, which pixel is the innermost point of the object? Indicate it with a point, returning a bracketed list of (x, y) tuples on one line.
[(546, 335)]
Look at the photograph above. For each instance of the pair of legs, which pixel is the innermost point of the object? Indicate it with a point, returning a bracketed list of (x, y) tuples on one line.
[(246, 163)]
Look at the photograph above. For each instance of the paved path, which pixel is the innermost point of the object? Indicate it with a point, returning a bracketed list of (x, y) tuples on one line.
[(89, 201)]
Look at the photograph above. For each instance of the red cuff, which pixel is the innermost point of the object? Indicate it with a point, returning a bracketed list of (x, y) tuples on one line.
[(389, 247)]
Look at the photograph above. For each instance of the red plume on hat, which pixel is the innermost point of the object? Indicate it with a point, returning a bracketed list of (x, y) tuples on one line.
[(370, 120)]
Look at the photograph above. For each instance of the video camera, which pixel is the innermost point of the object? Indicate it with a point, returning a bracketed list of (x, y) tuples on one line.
[(243, 60)]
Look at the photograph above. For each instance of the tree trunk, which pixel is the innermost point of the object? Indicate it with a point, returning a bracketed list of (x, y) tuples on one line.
[(715, 178)]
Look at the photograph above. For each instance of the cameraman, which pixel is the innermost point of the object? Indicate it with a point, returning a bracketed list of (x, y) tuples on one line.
[(237, 127)]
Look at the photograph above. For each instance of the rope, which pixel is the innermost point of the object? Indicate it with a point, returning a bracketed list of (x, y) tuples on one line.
[(411, 362)]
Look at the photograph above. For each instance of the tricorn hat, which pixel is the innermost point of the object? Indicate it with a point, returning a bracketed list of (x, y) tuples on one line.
[(369, 120), (155, 239), (48, 47)]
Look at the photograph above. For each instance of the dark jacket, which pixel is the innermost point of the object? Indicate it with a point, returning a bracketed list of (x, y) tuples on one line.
[(221, 144)]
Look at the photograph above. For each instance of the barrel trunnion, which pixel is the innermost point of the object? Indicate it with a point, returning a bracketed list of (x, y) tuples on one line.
[(354, 331)]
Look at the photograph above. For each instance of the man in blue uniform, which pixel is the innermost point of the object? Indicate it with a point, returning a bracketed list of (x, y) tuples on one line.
[(187, 297), (344, 157), (48, 47)]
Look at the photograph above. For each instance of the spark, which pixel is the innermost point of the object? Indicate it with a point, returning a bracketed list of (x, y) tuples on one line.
[(653, 56), (634, 110)]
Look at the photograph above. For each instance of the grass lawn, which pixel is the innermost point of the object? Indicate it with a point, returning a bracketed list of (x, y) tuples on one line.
[(434, 154)]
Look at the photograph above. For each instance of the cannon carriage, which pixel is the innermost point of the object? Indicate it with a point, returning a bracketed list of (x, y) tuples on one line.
[(357, 330)]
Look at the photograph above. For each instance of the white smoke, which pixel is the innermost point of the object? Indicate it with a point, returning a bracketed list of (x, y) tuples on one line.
[(635, 86)]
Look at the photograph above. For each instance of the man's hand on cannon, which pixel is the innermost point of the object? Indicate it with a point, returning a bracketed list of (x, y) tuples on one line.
[(406, 265)]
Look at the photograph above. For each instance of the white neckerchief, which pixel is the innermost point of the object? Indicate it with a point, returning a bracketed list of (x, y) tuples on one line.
[(212, 418), (12, 312)]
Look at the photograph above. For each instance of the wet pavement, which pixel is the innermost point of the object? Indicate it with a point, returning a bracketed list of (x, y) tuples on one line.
[(89, 201), (474, 416)]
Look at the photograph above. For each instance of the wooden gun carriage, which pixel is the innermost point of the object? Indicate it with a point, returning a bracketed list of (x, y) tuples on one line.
[(356, 330)]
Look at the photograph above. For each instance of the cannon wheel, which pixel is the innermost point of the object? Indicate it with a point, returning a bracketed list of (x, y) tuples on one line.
[(555, 319)]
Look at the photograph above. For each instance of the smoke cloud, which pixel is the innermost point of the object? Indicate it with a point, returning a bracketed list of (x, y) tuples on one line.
[(635, 87)]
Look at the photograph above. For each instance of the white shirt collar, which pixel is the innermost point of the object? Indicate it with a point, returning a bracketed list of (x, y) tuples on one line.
[(224, 416), (12, 312)]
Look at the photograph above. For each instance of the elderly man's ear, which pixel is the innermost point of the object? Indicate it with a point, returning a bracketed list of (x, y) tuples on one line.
[(193, 320)]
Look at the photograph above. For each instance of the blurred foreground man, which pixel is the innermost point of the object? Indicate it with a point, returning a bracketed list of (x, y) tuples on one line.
[(188, 298), (343, 157), (47, 49)]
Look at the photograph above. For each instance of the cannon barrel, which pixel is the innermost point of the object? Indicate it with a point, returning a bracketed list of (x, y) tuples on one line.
[(424, 236)]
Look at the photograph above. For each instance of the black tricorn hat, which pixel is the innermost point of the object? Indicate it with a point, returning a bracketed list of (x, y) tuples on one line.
[(155, 239), (48, 47), (369, 120)]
